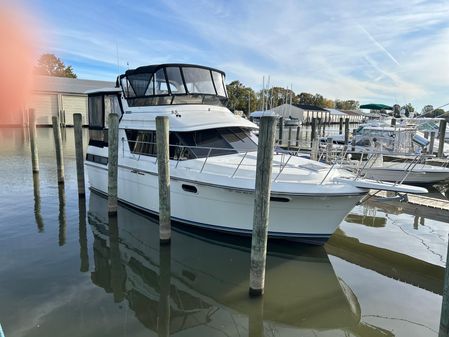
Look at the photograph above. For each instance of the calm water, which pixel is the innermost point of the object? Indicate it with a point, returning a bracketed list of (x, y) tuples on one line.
[(68, 270)]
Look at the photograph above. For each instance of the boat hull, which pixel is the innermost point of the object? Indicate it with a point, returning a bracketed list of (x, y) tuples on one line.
[(306, 218), (413, 177)]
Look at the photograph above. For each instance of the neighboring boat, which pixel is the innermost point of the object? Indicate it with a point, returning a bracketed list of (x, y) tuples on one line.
[(409, 173), (212, 158), (291, 121)]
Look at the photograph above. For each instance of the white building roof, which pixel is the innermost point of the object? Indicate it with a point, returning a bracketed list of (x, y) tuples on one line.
[(289, 110), (336, 112), (68, 85), (258, 114)]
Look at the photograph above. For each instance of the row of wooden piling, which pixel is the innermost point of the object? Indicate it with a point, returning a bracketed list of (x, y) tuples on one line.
[(262, 185), (317, 129)]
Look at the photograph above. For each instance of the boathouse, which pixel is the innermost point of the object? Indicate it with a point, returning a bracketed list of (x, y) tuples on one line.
[(61, 96), (313, 111), (289, 110)]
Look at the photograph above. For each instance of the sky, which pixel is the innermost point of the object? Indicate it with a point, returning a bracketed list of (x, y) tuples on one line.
[(382, 51)]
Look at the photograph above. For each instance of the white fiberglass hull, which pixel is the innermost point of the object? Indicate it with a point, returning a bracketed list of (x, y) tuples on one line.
[(420, 174), (308, 218)]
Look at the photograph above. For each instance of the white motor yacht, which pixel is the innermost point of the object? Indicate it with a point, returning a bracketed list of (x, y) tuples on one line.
[(212, 158)]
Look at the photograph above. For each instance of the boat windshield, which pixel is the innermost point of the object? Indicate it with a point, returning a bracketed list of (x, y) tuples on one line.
[(195, 144), (174, 84)]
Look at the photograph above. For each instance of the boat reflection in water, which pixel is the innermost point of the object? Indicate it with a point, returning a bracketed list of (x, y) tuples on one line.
[(192, 284)]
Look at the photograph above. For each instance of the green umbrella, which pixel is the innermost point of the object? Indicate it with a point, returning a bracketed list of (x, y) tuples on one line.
[(374, 106)]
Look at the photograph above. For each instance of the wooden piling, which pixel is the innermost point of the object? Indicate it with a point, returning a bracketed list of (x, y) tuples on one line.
[(112, 163), (289, 137), (340, 128), (261, 205), (441, 136), (324, 128), (353, 140), (281, 130), (313, 131), (298, 133), (444, 318), (393, 122), (346, 131), (314, 149), (329, 143), (432, 142), (78, 131), (58, 149), (33, 144), (163, 166), (62, 216)]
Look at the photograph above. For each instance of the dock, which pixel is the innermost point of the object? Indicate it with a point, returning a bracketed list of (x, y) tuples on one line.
[(418, 200)]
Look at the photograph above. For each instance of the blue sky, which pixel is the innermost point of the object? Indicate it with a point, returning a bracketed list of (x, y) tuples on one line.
[(373, 51)]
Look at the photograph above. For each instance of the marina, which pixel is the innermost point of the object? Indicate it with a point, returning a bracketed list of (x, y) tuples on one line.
[(382, 270)]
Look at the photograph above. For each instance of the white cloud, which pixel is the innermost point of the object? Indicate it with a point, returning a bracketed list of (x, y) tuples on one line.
[(383, 50)]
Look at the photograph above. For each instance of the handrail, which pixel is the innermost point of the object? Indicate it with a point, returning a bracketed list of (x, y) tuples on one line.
[(282, 169), (238, 166), (208, 154)]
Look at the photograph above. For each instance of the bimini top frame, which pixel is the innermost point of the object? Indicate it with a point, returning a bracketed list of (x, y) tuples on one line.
[(168, 84)]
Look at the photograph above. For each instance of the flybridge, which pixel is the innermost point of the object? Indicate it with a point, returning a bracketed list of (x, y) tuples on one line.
[(169, 84)]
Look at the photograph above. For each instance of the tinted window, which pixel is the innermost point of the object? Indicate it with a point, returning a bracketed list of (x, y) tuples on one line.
[(139, 83), (175, 80), (194, 144), (96, 111)]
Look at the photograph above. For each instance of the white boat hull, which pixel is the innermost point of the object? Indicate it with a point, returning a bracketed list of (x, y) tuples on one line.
[(419, 175), (304, 218)]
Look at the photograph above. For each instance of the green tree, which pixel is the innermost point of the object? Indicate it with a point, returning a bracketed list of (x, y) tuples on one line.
[(241, 97), (306, 98), (328, 103), (50, 65), (277, 96), (427, 110), (409, 109), (438, 112), (347, 105)]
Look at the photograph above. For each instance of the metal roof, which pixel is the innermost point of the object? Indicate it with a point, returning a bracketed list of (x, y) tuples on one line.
[(310, 107), (336, 112), (67, 85)]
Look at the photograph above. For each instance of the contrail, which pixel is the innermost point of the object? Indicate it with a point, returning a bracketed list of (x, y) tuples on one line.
[(379, 45)]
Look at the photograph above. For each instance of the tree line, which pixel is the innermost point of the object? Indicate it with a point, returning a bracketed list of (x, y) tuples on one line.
[(247, 100)]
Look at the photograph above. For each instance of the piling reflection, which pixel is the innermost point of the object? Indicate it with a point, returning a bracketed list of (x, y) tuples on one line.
[(191, 284), (37, 202), (163, 321), (117, 269), (444, 320), (82, 234), (62, 215)]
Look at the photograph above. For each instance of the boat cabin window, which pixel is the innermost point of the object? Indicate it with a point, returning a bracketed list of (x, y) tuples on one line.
[(100, 105), (195, 144), (173, 84)]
